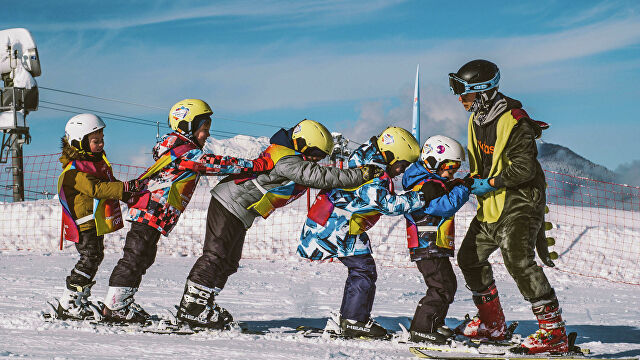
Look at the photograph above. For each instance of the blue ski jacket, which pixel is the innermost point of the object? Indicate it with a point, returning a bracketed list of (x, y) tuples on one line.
[(337, 222), (431, 230)]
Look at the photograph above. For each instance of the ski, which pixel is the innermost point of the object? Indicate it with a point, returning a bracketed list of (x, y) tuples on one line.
[(315, 332), (459, 351), (155, 324), (428, 353)]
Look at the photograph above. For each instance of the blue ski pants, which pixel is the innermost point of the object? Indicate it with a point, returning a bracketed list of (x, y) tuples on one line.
[(360, 287)]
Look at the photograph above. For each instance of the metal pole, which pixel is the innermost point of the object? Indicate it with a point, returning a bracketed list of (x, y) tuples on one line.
[(18, 173)]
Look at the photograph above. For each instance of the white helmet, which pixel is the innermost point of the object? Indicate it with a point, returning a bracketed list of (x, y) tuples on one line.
[(438, 149), (80, 126)]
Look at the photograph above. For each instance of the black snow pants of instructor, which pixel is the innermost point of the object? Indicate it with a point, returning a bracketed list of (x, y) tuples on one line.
[(222, 250), (140, 249), (90, 246), (515, 234)]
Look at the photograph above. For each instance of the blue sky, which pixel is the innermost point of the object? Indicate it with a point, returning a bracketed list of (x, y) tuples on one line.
[(348, 64)]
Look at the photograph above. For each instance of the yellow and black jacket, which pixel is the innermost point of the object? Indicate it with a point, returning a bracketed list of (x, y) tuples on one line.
[(504, 147)]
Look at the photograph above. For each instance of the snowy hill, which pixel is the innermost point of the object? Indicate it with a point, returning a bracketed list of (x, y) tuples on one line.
[(243, 146), (560, 159)]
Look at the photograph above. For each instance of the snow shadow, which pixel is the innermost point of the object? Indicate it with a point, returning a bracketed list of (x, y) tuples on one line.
[(390, 323)]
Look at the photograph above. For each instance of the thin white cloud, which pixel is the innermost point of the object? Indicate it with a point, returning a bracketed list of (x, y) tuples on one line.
[(297, 13)]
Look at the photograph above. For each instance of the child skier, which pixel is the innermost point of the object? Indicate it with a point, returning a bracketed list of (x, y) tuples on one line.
[(430, 234), (337, 222), (180, 161), (237, 201), (87, 179), (510, 186)]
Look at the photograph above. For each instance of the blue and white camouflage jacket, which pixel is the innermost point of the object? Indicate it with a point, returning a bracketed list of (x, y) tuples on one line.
[(431, 230), (337, 222)]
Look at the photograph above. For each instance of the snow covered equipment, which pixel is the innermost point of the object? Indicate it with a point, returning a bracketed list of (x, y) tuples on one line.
[(22, 45), (198, 309)]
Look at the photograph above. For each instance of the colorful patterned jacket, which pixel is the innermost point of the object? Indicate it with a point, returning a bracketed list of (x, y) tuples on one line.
[(337, 222), (81, 188), (291, 175), (173, 179), (431, 230)]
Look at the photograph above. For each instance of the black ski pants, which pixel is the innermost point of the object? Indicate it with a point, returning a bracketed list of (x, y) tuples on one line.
[(441, 289), (222, 250), (139, 253), (360, 287), (90, 246), (515, 234)]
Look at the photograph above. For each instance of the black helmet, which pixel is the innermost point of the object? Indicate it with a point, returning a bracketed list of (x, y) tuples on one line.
[(474, 76)]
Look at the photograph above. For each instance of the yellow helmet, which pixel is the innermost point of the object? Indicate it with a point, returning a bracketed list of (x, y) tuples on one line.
[(310, 134), (397, 144), (183, 113)]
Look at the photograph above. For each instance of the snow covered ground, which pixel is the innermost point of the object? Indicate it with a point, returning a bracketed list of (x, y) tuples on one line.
[(277, 296), (282, 292)]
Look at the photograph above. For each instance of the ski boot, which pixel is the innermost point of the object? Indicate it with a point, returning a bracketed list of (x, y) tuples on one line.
[(74, 304), (441, 336), (360, 329), (552, 336), (489, 323), (198, 310), (120, 306)]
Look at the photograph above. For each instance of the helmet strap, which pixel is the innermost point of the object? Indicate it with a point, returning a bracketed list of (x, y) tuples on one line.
[(432, 163)]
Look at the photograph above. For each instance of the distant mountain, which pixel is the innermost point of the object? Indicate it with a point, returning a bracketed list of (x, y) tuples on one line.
[(243, 146), (560, 159), (240, 146), (580, 182)]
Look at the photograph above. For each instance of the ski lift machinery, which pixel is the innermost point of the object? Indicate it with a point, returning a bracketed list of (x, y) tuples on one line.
[(19, 65)]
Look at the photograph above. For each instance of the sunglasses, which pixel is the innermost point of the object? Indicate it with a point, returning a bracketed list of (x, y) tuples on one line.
[(459, 86)]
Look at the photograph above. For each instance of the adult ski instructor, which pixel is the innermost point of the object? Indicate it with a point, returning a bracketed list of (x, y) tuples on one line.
[(510, 186)]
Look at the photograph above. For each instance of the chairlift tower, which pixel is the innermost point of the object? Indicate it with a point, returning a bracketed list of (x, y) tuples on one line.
[(340, 150), (19, 64)]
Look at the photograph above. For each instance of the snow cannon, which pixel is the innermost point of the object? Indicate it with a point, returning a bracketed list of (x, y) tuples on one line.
[(17, 46), (19, 65)]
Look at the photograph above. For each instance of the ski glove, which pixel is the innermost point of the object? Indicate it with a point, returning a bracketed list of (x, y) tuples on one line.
[(467, 182), (262, 164), (370, 172), (432, 190), (134, 186), (481, 187)]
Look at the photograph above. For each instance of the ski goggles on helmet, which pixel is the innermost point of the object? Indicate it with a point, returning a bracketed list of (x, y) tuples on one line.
[(314, 152), (450, 165), (459, 86)]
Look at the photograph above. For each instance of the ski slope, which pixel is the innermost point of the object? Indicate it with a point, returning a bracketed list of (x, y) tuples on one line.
[(278, 296)]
